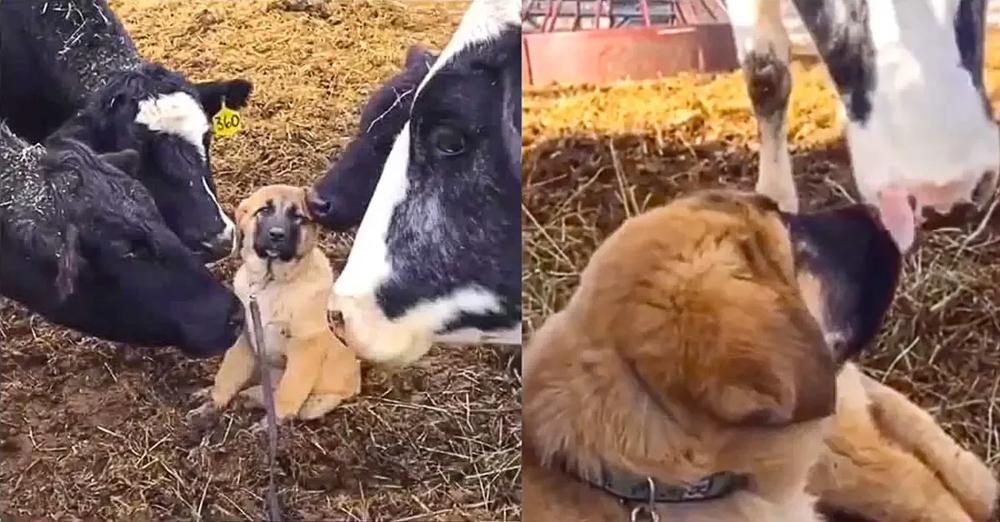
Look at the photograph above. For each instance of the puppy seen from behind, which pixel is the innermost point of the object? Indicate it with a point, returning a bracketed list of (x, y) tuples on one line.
[(291, 279), (687, 379)]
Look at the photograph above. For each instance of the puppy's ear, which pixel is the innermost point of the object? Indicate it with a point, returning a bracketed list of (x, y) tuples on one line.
[(243, 210), (769, 368), (301, 201)]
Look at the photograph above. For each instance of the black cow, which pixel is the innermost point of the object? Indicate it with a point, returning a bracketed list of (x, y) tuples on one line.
[(437, 255), (339, 199), (81, 243), (70, 64)]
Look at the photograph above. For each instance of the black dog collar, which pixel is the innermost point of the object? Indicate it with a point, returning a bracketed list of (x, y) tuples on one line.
[(634, 488)]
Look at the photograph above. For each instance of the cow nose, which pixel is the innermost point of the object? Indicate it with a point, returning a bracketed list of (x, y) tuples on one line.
[(319, 206), (276, 233)]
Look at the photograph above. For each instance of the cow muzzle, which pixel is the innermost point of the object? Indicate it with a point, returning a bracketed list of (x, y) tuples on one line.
[(376, 338)]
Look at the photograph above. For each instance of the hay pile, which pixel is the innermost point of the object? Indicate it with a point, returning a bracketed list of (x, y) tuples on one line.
[(97, 432), (594, 156)]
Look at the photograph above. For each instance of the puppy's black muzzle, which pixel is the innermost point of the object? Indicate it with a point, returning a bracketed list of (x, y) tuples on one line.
[(277, 237)]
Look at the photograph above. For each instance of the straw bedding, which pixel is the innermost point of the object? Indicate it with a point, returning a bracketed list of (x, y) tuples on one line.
[(594, 156), (93, 431)]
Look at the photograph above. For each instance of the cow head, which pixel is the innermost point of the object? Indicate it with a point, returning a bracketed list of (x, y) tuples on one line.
[(167, 120), (920, 128), (339, 199), (105, 263), (438, 252)]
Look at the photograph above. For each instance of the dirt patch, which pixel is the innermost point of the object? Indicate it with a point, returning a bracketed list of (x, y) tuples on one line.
[(94, 431), (595, 156)]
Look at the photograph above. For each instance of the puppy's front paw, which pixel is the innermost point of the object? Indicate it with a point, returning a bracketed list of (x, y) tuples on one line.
[(204, 416), (202, 394), (261, 425), (978, 493)]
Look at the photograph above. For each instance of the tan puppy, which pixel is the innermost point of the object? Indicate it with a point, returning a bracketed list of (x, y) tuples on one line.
[(640, 373), (688, 358), (292, 280)]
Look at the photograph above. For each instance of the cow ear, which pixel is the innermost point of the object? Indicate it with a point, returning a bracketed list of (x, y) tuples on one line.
[(234, 92), (418, 55), (126, 161)]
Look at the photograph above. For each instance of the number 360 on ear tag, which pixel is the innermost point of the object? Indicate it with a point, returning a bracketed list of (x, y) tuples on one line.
[(226, 122)]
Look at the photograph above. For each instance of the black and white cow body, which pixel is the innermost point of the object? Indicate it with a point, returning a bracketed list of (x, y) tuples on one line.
[(339, 199), (69, 66), (82, 245), (437, 255), (909, 73)]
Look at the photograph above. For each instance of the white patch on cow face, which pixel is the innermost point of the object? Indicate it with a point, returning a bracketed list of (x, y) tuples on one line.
[(368, 263), (927, 130), (510, 336), (482, 22), (408, 337), (403, 340), (229, 231), (177, 113)]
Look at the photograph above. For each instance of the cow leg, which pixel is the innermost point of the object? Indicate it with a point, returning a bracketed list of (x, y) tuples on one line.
[(763, 48)]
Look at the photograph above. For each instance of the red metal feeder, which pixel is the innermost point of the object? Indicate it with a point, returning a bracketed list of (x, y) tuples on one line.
[(603, 41)]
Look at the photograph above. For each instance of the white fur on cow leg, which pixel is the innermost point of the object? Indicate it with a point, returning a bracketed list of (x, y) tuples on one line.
[(763, 47), (774, 177)]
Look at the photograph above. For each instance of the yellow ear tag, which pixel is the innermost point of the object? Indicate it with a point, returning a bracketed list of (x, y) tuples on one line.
[(226, 122)]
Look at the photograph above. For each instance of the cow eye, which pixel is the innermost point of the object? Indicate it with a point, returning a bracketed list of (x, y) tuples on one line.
[(138, 249), (447, 140)]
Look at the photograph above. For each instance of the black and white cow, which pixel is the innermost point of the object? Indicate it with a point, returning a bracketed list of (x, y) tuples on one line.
[(81, 244), (339, 199), (437, 256), (919, 128), (70, 64)]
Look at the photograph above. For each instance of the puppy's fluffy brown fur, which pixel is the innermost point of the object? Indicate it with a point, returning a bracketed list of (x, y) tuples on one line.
[(887, 460), (686, 350), (319, 370)]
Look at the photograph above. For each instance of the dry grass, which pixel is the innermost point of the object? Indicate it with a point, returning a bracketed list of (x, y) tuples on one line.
[(594, 156), (92, 431)]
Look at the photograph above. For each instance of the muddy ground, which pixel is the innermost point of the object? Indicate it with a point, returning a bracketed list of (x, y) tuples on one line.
[(95, 431)]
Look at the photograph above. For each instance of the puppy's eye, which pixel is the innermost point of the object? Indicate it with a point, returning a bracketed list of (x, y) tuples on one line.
[(266, 209), (447, 140)]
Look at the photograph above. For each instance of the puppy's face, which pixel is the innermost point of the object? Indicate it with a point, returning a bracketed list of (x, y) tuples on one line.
[(717, 303), (274, 224)]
